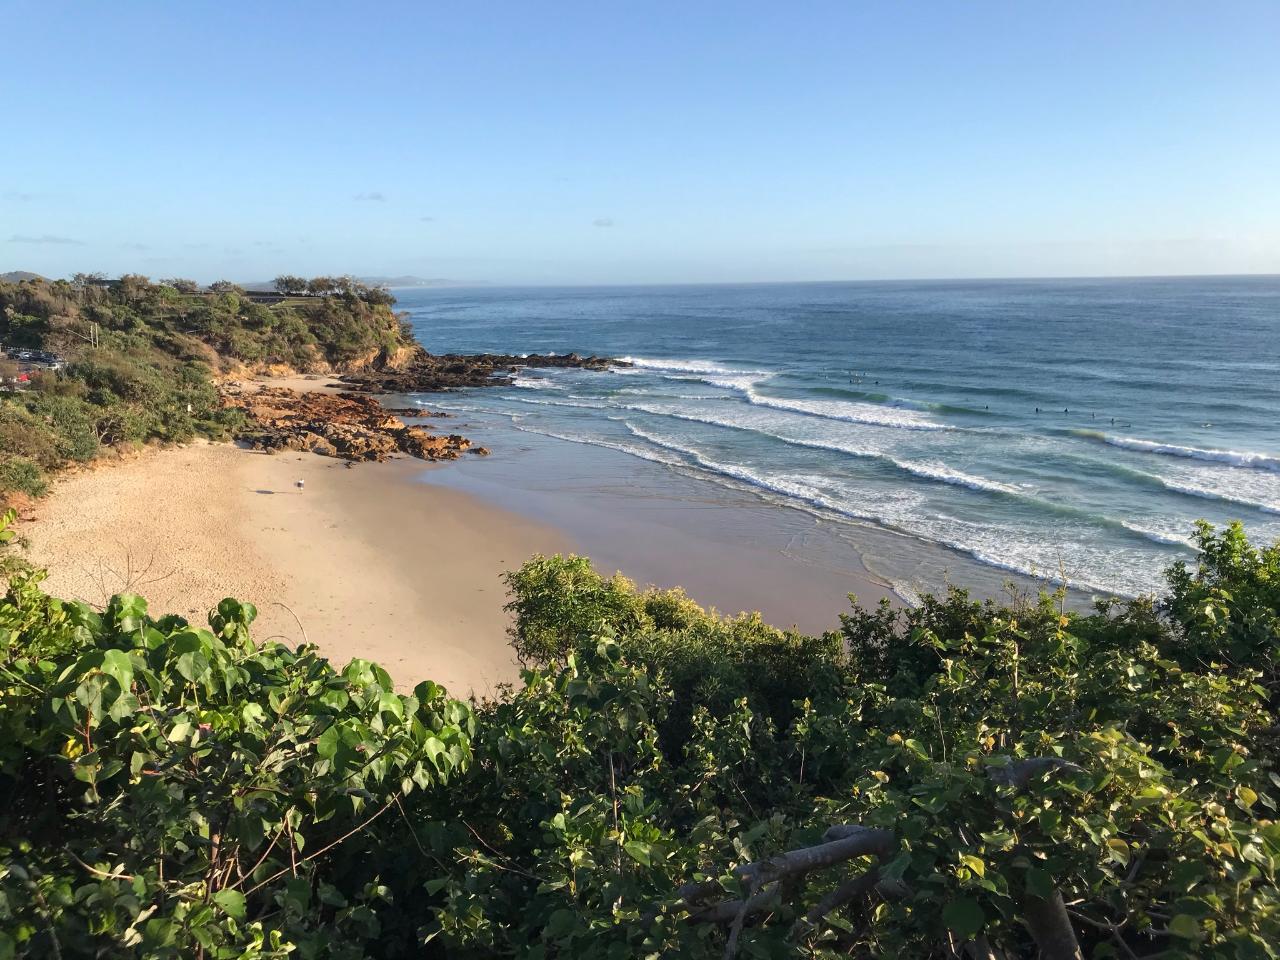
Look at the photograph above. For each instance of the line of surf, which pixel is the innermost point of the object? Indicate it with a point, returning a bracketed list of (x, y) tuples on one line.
[(805, 494), (1235, 458), (925, 469), (746, 382)]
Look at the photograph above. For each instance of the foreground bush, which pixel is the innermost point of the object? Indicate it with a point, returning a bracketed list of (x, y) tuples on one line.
[(173, 791), (1032, 781), (959, 780)]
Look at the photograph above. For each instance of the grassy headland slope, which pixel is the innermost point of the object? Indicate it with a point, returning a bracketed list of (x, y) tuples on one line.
[(138, 360)]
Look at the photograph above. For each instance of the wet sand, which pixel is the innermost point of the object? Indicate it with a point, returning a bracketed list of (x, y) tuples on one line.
[(729, 549)]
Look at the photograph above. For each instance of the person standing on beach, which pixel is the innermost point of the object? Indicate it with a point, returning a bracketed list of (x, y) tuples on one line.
[(298, 484)]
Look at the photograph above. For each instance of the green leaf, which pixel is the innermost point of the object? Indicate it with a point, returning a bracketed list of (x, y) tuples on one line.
[(1186, 926), (327, 745), (638, 851), (975, 864), (231, 902), (1119, 850), (119, 666), (964, 917), (390, 703)]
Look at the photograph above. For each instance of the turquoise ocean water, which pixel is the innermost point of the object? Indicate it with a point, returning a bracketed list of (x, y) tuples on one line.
[(1069, 428)]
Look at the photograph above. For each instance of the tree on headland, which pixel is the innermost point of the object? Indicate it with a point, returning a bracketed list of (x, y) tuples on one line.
[(132, 287), (225, 286), (182, 285), (290, 285), (320, 286), (82, 280)]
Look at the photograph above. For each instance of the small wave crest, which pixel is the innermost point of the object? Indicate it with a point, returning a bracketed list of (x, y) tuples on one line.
[(926, 469), (847, 411), (936, 470), (745, 382), (532, 383), (1159, 536), (1234, 458), (683, 366)]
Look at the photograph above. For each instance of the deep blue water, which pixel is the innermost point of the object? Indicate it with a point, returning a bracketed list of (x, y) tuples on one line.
[(1074, 427)]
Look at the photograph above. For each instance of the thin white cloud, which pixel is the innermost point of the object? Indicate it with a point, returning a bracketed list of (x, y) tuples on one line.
[(602, 222), (371, 196), (44, 238)]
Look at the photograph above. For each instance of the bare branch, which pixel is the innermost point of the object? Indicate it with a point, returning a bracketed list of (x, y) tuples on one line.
[(1051, 928), (727, 911), (765, 879)]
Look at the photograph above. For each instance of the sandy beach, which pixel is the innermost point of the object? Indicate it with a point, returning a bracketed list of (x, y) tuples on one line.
[(363, 561), (369, 561)]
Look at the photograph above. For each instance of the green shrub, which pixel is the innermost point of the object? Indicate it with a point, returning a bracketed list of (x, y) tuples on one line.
[(21, 475), (169, 791), (147, 376), (558, 600), (172, 791)]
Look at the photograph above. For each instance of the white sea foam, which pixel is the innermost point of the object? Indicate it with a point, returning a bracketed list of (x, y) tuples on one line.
[(539, 402), (786, 486), (532, 383), (1235, 458), (746, 381), (1159, 535), (926, 469), (683, 366), (1207, 491), (936, 470), (994, 547), (851, 412), (845, 410)]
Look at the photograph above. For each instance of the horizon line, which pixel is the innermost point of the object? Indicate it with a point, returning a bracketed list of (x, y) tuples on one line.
[(491, 284)]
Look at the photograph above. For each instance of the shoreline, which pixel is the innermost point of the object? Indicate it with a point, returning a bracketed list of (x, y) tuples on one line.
[(399, 562)]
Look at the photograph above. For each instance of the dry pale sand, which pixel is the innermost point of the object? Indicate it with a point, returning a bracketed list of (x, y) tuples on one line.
[(370, 563)]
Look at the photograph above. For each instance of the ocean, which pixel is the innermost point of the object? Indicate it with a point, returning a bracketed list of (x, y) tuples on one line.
[(1064, 430)]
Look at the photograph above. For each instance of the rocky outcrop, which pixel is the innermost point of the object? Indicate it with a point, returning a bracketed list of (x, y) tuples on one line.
[(354, 427), (430, 373)]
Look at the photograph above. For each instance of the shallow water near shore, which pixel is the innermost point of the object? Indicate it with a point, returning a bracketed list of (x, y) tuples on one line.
[(962, 431)]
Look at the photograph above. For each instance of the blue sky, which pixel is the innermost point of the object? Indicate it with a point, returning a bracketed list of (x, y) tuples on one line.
[(611, 142)]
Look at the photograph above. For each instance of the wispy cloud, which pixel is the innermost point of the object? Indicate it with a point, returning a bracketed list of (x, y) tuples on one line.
[(134, 246), (19, 196), (44, 238), (427, 219), (372, 196), (602, 222)]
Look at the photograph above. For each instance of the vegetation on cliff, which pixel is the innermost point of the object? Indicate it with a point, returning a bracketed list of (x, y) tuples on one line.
[(139, 357), (959, 780)]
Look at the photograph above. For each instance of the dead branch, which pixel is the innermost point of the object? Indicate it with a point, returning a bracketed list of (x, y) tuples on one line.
[(1051, 928)]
